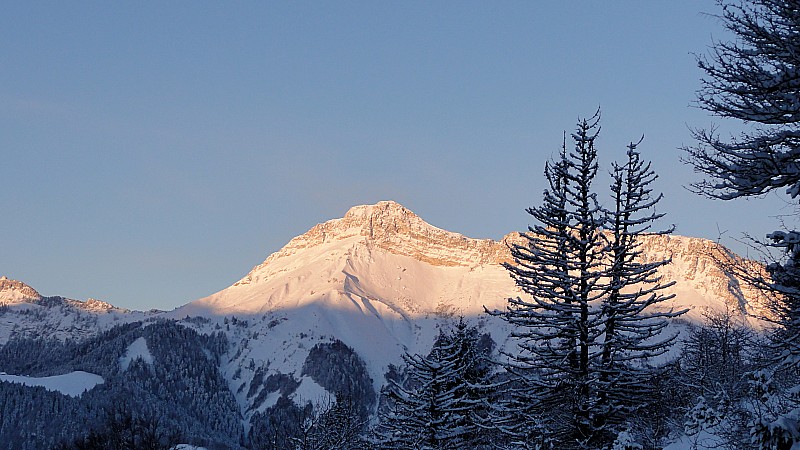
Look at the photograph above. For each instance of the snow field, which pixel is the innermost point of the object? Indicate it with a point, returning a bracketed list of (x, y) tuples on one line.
[(72, 384), (137, 349)]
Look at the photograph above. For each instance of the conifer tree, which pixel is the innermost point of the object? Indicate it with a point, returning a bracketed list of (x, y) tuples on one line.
[(337, 426), (586, 329), (755, 79), (632, 329), (436, 406), (560, 269)]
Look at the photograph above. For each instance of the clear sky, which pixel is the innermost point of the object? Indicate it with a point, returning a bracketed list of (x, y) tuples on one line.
[(153, 152)]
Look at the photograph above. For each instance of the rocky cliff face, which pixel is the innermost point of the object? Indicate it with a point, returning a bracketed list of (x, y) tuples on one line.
[(695, 268)]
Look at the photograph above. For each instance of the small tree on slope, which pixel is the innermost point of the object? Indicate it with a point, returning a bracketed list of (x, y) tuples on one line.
[(439, 404), (584, 335)]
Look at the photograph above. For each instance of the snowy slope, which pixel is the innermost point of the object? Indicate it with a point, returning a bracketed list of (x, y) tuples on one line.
[(73, 384), (137, 350)]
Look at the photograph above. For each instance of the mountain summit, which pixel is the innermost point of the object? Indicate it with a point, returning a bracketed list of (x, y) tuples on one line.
[(394, 228), (12, 291)]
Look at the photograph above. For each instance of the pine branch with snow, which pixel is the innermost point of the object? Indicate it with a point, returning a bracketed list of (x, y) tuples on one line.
[(754, 79)]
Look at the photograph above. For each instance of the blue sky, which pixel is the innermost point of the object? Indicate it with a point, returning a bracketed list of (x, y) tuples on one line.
[(153, 152)]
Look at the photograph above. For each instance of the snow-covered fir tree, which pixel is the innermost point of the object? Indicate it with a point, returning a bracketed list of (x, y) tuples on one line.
[(583, 336), (755, 78), (717, 358), (439, 403), (560, 269), (340, 426), (631, 329)]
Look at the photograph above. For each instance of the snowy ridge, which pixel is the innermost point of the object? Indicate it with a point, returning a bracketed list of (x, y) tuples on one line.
[(391, 227), (26, 313), (700, 282), (97, 306), (13, 291)]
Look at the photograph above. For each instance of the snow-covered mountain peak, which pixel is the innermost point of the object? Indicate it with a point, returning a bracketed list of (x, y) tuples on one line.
[(373, 222), (384, 254), (13, 291), (382, 219), (380, 254), (392, 227)]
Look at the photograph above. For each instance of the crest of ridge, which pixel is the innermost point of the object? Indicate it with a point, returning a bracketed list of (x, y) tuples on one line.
[(13, 291), (389, 226)]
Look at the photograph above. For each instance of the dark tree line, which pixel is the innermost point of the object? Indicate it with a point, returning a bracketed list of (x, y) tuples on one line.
[(180, 393)]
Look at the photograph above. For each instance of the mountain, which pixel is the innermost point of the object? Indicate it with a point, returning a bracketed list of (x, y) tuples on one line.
[(382, 280), (13, 291), (386, 256), (333, 310)]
